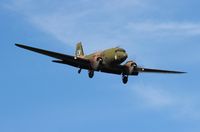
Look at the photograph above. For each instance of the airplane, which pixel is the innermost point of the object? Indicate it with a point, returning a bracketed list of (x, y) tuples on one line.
[(108, 61)]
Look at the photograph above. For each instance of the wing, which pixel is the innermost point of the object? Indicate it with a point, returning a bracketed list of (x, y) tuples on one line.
[(147, 70), (62, 58), (120, 69), (113, 70)]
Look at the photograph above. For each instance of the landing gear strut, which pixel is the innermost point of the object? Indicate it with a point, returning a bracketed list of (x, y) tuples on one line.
[(91, 74), (79, 71), (125, 78)]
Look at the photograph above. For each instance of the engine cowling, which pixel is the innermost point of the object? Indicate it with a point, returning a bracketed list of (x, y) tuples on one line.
[(96, 63), (131, 68)]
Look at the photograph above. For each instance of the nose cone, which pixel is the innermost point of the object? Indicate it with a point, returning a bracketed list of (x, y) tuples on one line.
[(120, 55)]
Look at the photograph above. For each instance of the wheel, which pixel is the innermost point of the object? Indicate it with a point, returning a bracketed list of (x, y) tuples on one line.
[(99, 59), (125, 79), (91, 74)]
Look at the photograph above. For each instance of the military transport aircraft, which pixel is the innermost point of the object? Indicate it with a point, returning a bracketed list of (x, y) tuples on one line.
[(108, 61)]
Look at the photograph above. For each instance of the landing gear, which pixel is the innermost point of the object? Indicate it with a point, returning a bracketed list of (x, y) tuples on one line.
[(125, 78), (91, 74), (79, 71)]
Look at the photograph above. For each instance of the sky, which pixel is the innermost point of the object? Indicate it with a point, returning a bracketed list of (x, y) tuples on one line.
[(38, 95)]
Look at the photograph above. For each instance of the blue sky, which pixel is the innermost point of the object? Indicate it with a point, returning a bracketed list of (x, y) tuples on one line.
[(37, 95)]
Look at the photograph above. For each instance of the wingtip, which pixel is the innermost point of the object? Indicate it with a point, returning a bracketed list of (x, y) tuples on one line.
[(21, 45), (182, 72), (18, 45)]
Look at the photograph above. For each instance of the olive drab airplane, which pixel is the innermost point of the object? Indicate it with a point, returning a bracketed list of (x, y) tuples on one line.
[(107, 61)]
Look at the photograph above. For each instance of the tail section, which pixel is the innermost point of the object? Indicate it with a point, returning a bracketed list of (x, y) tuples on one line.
[(79, 50)]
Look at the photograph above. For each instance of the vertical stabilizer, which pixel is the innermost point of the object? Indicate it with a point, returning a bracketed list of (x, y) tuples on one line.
[(79, 50)]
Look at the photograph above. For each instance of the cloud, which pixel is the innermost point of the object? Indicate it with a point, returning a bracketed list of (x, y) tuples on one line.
[(166, 28), (153, 97), (158, 98), (90, 22), (102, 23)]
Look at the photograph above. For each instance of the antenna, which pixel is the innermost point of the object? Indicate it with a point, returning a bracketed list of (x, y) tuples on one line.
[(118, 46)]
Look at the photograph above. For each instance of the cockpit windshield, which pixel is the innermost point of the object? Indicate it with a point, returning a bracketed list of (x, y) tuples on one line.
[(120, 50)]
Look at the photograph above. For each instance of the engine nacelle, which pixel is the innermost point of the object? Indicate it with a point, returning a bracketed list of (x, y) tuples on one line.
[(96, 63), (130, 68)]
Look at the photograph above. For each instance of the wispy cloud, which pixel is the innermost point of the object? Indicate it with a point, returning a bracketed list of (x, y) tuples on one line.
[(153, 96), (156, 98), (93, 22), (169, 28), (97, 23)]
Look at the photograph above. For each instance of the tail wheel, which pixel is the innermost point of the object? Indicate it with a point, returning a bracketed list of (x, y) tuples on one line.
[(125, 79), (91, 74)]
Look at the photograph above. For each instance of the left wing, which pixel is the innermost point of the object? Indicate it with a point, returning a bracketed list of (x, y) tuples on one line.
[(120, 69), (62, 58), (147, 70)]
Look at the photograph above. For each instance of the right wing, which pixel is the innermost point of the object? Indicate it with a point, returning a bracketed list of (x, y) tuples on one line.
[(62, 58)]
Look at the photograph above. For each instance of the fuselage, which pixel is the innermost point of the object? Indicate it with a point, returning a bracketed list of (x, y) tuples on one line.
[(112, 56)]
